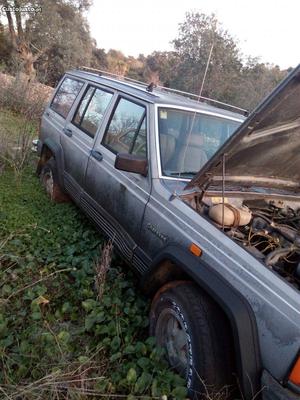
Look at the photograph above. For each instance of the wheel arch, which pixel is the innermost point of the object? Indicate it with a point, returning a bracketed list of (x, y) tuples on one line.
[(177, 264), (49, 148)]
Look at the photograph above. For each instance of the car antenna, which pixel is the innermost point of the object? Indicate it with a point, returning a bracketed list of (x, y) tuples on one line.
[(198, 99)]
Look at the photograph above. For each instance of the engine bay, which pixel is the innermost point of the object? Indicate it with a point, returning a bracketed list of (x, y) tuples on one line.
[(268, 229)]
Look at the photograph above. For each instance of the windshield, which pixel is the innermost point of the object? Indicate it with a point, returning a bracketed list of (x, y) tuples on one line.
[(189, 139)]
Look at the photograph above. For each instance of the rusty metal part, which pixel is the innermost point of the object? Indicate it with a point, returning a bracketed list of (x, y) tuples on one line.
[(167, 286)]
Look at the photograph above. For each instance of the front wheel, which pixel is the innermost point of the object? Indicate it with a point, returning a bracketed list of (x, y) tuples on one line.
[(196, 337)]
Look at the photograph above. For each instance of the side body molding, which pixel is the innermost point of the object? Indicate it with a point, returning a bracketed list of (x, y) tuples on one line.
[(182, 264)]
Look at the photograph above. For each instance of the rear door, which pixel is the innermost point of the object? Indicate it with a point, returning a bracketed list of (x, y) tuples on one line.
[(55, 115), (79, 134), (120, 196)]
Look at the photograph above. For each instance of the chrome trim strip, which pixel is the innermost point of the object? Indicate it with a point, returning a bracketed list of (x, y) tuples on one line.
[(171, 178)]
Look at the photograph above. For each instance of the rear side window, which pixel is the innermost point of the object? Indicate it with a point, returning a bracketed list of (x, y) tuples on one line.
[(91, 109), (126, 132), (65, 96)]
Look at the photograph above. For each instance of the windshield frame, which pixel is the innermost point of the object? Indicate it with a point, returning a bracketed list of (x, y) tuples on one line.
[(183, 108)]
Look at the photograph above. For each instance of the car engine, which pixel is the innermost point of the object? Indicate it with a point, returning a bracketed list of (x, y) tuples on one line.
[(268, 229)]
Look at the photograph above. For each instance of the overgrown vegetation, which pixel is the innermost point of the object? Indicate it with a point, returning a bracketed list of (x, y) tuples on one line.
[(16, 134), (46, 43), (24, 97), (58, 337)]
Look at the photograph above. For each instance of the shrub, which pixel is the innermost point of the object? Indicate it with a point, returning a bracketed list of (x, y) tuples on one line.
[(16, 134), (22, 96)]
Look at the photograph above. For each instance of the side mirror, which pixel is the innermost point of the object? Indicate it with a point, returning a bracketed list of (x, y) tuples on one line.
[(131, 163)]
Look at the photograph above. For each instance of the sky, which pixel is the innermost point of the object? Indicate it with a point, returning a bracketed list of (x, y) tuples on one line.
[(263, 28)]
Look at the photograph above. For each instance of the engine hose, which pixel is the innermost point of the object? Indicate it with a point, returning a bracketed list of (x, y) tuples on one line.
[(275, 255)]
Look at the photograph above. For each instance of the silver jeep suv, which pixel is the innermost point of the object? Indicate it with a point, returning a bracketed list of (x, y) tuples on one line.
[(205, 206)]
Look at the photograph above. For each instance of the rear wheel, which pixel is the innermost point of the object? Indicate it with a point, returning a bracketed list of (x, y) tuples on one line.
[(196, 337), (49, 180)]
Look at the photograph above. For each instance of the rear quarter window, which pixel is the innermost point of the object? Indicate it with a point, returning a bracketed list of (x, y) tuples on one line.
[(65, 96)]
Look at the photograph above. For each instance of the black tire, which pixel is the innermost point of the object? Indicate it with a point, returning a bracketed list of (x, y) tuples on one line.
[(208, 350), (49, 180)]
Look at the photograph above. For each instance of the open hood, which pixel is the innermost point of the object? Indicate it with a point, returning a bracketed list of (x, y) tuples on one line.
[(264, 152)]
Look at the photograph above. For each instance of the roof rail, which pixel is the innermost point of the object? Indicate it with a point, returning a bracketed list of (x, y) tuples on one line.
[(110, 74), (164, 88), (193, 95)]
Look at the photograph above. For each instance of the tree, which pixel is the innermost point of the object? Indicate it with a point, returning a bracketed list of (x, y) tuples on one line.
[(257, 80), (117, 62), (33, 35), (198, 34), (136, 67), (228, 78), (160, 67), (68, 37), (99, 59), (5, 47)]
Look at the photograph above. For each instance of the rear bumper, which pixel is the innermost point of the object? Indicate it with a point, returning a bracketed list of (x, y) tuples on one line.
[(272, 390)]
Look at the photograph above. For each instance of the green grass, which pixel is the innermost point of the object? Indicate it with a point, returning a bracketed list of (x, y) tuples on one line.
[(55, 336)]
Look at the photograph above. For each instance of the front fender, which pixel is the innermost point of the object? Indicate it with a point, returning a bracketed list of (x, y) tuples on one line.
[(235, 306)]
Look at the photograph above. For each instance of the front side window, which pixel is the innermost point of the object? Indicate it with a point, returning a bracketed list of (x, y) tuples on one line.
[(189, 139), (91, 110), (126, 132), (65, 96)]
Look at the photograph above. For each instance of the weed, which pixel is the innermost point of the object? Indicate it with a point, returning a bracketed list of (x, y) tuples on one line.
[(57, 338), (101, 268), (16, 134)]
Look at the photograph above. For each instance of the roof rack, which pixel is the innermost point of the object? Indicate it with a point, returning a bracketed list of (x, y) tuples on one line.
[(151, 86)]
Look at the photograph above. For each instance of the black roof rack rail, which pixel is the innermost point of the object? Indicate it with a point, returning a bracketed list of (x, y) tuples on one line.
[(112, 75), (152, 86)]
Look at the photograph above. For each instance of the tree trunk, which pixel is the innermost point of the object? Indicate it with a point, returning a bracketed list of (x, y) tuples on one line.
[(27, 59), (19, 43)]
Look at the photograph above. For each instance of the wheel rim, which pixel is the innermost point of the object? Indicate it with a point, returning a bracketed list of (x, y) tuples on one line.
[(171, 335), (48, 183)]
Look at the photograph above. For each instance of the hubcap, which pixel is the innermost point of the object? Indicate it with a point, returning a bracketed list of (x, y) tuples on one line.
[(171, 334)]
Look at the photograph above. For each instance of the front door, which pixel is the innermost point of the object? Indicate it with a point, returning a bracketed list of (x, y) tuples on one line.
[(121, 196)]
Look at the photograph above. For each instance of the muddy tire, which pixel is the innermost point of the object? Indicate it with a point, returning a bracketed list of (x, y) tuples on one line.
[(49, 180), (197, 339)]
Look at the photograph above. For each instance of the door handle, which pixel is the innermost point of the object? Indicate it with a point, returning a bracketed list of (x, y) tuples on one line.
[(97, 155), (68, 132)]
